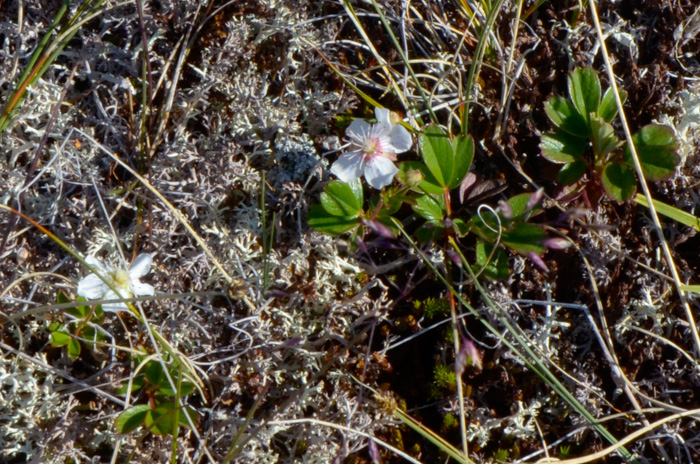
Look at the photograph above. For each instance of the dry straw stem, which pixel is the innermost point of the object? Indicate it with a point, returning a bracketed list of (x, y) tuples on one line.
[(640, 175), (628, 439)]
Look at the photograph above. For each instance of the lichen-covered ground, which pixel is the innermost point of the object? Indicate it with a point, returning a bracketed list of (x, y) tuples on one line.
[(200, 132)]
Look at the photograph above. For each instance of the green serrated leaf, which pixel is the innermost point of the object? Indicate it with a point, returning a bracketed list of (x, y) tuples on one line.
[(154, 374), (584, 90), (657, 150), (438, 155), (619, 182), (429, 208), (525, 238), (603, 137), (342, 199), (497, 267), (131, 418), (73, 348), (329, 224), (608, 108), (560, 147), (570, 173), (161, 420), (60, 337), (463, 157), (564, 115)]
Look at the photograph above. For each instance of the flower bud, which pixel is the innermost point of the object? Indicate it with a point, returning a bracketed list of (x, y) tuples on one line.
[(535, 199), (556, 243), (413, 177)]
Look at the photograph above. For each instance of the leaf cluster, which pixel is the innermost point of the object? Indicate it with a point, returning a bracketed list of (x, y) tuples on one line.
[(584, 140), (82, 327)]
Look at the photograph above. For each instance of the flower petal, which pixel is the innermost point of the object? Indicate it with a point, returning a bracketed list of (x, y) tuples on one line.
[(379, 172), (96, 263), (92, 287), (140, 266), (348, 167), (383, 116), (358, 130), (141, 289), (400, 138), (116, 305)]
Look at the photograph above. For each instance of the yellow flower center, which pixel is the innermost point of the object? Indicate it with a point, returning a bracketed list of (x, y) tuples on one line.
[(120, 278), (371, 146)]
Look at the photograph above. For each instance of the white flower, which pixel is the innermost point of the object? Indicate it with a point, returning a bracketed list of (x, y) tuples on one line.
[(125, 282), (372, 151)]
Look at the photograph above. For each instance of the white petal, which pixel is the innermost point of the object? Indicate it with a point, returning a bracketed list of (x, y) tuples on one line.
[(383, 116), (348, 167), (115, 306), (96, 263), (92, 287), (400, 138), (140, 266), (358, 130), (379, 172), (141, 289)]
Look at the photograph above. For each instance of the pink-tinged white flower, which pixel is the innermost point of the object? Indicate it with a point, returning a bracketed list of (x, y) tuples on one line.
[(372, 150), (126, 282)]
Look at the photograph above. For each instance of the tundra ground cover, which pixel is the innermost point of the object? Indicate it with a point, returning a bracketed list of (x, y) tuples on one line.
[(516, 313)]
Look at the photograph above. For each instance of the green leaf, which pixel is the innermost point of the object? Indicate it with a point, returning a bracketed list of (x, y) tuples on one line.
[(495, 269), (131, 418), (460, 227), (329, 224), (73, 349), (560, 147), (518, 204), (429, 232), (619, 182), (342, 199), (584, 90), (438, 155), (570, 173), (61, 297), (161, 420), (60, 337), (670, 211), (428, 185), (564, 115), (608, 108), (525, 238), (136, 385), (429, 208), (186, 388), (603, 137), (463, 157), (656, 147)]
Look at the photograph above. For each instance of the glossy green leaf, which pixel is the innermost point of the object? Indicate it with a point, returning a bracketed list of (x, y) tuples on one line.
[(460, 227), (463, 157), (619, 182), (608, 107), (60, 337), (565, 116), (131, 418), (429, 208), (330, 224), (186, 388), (525, 238), (570, 173), (657, 150), (73, 349), (603, 137), (497, 267), (161, 420), (342, 199), (584, 90), (560, 147), (518, 204), (438, 155)]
